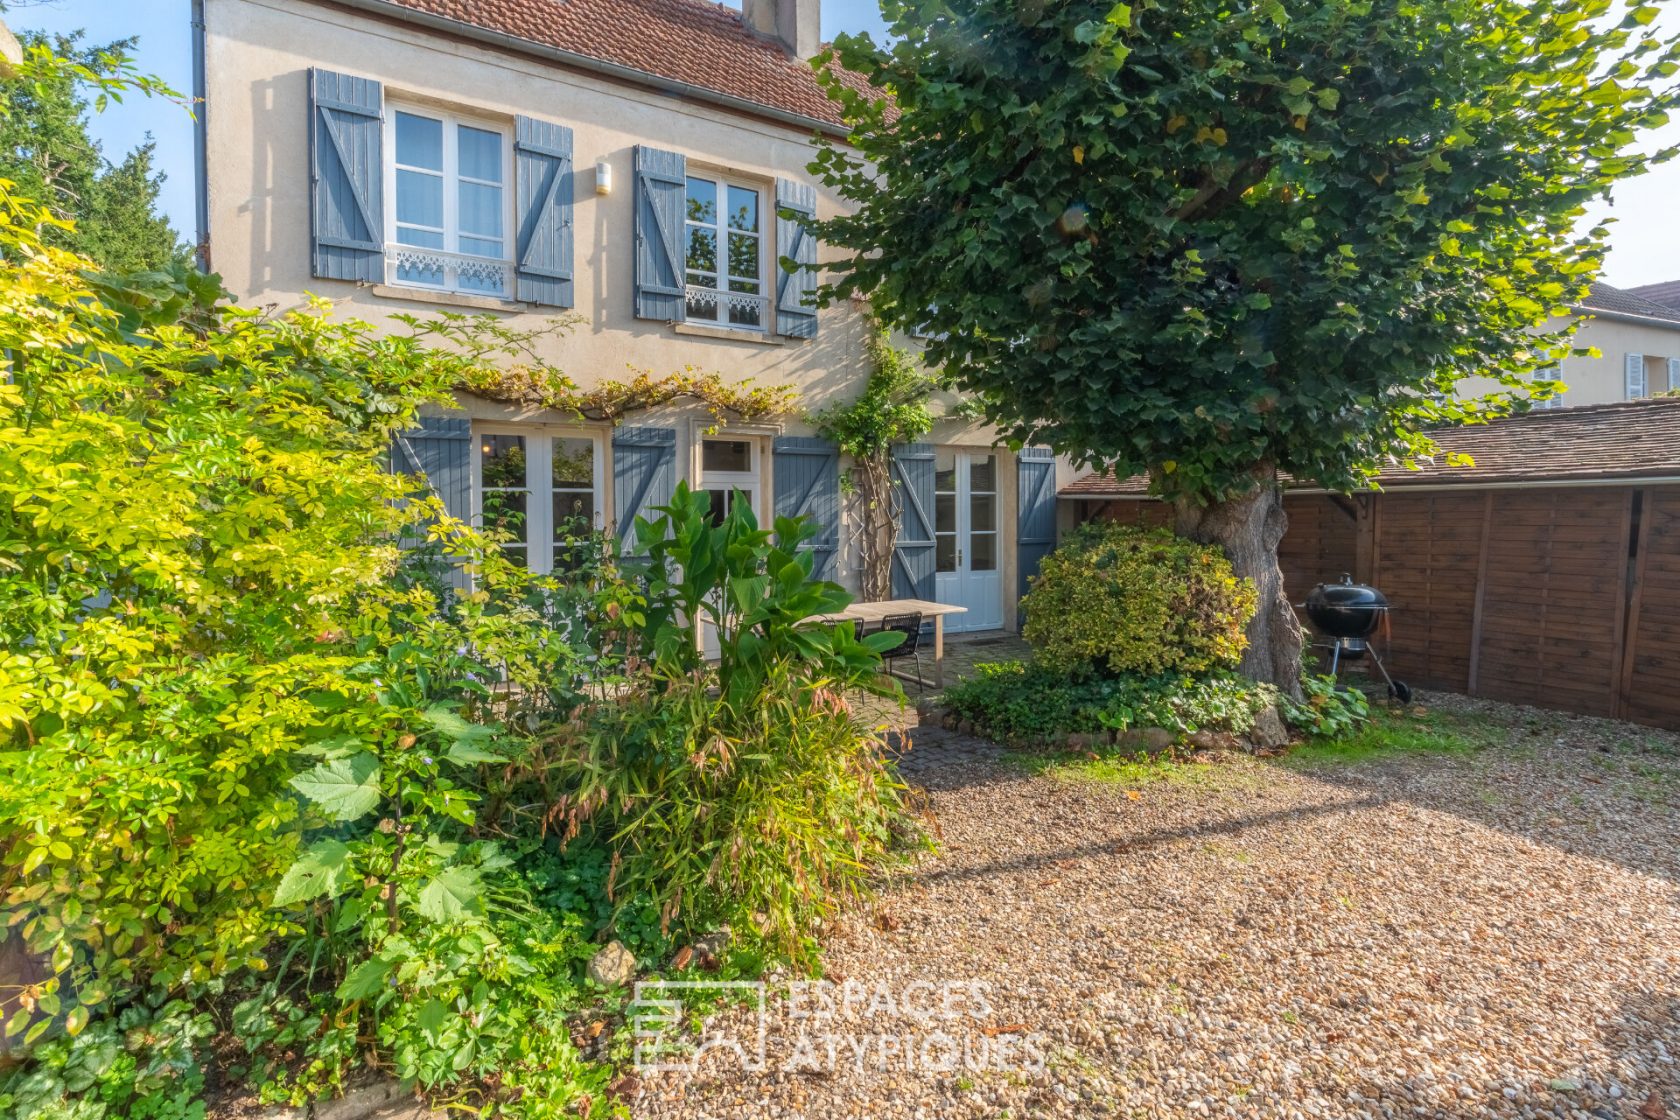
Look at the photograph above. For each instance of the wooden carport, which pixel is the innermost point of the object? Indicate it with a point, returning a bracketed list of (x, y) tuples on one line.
[(1547, 573)]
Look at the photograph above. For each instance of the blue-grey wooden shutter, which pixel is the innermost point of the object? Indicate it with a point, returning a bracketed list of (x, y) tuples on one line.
[(796, 288), (1035, 512), (439, 451), (661, 209), (807, 483), (644, 476), (913, 555), (1634, 368), (346, 177), (542, 197)]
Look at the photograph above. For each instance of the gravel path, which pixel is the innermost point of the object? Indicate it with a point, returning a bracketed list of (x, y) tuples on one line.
[(1486, 935)]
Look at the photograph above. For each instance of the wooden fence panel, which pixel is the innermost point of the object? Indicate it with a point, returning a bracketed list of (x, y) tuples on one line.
[(1147, 512), (1426, 560), (1651, 673), (1553, 600), (1321, 543)]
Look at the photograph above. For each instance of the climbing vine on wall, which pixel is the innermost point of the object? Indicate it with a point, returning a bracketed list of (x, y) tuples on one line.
[(536, 382), (892, 409), (613, 400)]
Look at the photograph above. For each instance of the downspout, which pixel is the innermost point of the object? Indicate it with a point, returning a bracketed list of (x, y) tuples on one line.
[(201, 141)]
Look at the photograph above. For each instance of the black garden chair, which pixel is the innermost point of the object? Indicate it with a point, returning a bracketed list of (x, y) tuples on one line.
[(910, 625)]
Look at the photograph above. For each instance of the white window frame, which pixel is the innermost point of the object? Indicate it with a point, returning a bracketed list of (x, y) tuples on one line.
[(724, 274), (539, 463), (455, 262), (749, 481)]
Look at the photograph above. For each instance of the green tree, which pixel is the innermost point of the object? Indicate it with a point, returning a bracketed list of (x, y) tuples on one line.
[(1222, 242), (47, 153)]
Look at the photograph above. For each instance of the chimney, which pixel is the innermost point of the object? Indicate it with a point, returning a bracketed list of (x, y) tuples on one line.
[(795, 24)]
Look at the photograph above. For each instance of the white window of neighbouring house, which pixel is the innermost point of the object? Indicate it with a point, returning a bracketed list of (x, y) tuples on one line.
[(448, 203), (1549, 373), (726, 254), (729, 471), (542, 489)]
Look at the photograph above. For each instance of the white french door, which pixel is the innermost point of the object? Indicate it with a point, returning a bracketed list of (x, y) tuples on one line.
[(540, 487), (967, 541)]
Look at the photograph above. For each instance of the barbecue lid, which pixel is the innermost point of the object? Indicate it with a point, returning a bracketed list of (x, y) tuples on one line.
[(1346, 594)]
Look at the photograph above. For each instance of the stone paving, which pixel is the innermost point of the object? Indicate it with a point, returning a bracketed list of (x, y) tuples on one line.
[(962, 653)]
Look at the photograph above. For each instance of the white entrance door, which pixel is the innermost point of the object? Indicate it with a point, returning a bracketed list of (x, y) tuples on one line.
[(966, 540)]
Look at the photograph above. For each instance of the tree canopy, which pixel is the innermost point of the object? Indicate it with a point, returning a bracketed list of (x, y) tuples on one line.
[(1214, 240), (48, 154)]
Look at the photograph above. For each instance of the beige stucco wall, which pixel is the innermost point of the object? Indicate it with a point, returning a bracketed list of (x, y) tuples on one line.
[(1600, 380), (258, 53), (257, 56)]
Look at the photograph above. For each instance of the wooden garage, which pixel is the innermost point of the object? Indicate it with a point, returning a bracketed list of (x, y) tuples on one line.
[(1546, 573)]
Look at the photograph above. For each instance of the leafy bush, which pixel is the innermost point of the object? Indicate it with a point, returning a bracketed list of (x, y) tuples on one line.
[(1326, 708), (1031, 702), (212, 652), (1119, 599), (254, 754), (746, 793), (142, 1064)]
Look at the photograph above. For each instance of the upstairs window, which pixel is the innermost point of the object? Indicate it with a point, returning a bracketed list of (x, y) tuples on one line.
[(725, 255), (449, 206)]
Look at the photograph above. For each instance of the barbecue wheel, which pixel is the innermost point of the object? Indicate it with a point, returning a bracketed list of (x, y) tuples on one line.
[(1401, 691)]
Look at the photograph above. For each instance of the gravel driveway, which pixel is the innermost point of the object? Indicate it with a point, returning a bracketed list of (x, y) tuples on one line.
[(1493, 933)]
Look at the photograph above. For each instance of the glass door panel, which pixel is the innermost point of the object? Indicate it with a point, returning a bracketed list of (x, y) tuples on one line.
[(966, 538)]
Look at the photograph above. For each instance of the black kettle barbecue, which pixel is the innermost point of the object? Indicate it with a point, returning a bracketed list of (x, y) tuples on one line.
[(1348, 614)]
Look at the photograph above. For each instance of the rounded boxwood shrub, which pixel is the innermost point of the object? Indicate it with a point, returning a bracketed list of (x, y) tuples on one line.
[(1120, 599)]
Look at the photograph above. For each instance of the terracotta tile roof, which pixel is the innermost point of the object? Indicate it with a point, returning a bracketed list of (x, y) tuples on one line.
[(1626, 440), (692, 41), (1615, 301), (1666, 293)]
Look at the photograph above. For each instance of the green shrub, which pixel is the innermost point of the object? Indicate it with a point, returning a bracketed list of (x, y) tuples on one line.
[(1118, 599), (747, 792), (1031, 702), (141, 1064), (1326, 708)]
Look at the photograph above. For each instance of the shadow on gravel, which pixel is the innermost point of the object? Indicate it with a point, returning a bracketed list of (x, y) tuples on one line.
[(1593, 788), (1138, 843), (1640, 1082)]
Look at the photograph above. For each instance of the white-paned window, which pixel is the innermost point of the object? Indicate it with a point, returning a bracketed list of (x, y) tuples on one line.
[(448, 203), (542, 488), (729, 471), (726, 254)]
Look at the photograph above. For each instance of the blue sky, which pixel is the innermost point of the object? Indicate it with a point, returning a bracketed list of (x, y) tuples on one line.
[(1645, 242)]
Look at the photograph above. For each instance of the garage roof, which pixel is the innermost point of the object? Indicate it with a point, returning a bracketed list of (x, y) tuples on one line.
[(1591, 443)]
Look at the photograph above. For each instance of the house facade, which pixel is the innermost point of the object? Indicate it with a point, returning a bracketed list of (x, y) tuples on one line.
[(1638, 344), (638, 166)]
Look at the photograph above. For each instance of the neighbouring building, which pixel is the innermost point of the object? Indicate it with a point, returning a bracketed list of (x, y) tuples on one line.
[(1638, 341), (623, 161), (1667, 293)]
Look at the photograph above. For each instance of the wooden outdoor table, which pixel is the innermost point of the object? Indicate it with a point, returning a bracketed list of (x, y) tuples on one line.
[(879, 612)]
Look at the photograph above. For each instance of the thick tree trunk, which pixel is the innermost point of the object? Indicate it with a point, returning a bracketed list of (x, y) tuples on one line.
[(1249, 528)]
